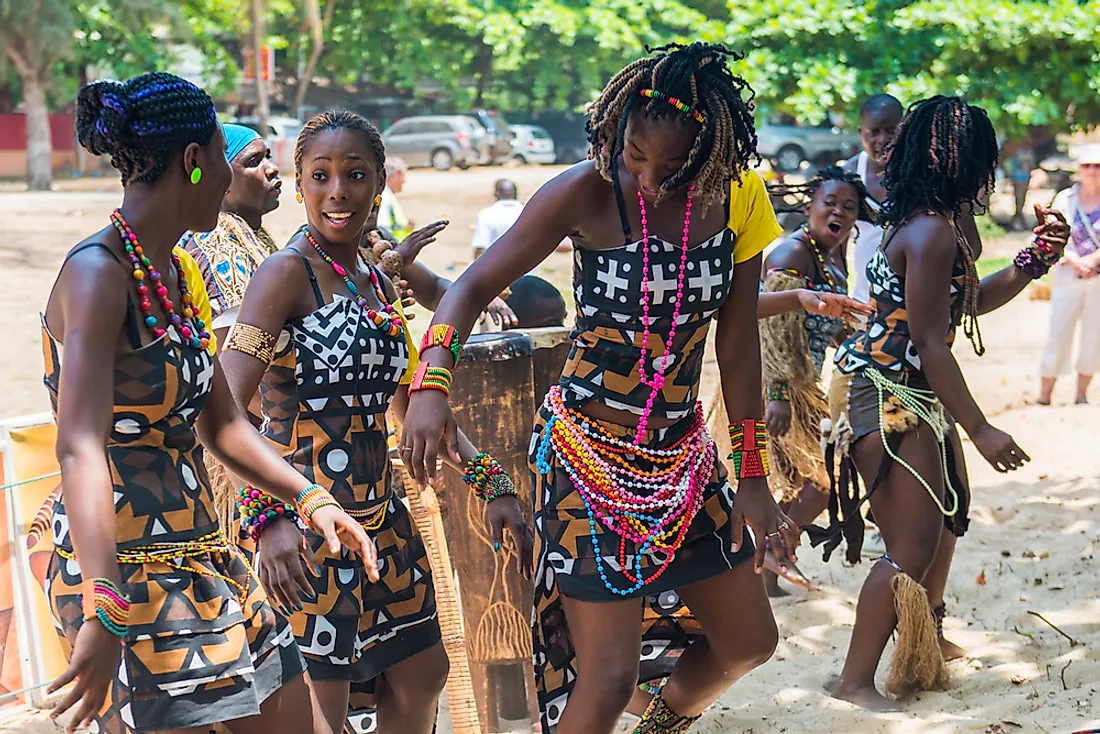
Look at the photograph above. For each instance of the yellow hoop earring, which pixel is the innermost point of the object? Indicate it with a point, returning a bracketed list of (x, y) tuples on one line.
[(298, 196), (378, 200)]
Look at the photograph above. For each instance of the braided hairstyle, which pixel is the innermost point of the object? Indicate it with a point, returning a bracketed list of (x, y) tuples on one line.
[(793, 198), (697, 75), (142, 123), (341, 120), (943, 160)]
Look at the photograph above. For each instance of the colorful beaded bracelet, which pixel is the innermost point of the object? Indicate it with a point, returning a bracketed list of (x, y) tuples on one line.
[(487, 478), (1036, 259), (778, 391), (678, 104), (749, 441), (258, 510), (107, 603), (431, 378), (442, 335), (311, 499)]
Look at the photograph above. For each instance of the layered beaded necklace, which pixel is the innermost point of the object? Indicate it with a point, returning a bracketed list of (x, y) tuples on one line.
[(657, 382), (388, 320), (650, 510), (820, 259), (188, 325)]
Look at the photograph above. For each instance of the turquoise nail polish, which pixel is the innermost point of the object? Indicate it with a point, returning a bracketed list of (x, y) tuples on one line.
[(496, 547), (299, 607)]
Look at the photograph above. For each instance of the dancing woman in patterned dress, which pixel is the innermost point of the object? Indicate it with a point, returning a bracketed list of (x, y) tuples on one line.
[(907, 389), (321, 333), (633, 509), (165, 627)]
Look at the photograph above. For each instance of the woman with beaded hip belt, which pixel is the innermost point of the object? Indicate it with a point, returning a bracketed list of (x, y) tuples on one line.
[(793, 344), (321, 333), (907, 386), (631, 504), (140, 569)]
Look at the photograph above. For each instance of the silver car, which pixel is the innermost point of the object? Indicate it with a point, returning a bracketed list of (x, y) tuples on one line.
[(787, 145), (439, 141)]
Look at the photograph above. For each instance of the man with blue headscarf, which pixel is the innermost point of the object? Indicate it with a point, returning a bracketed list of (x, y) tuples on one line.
[(229, 255)]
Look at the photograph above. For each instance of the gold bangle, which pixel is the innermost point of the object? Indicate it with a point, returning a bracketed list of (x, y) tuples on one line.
[(251, 340)]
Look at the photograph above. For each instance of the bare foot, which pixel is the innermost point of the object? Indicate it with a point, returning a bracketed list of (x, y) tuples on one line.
[(950, 650), (791, 573), (863, 696), (771, 585)]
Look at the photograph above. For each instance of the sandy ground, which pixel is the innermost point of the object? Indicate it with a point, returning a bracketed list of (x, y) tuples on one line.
[(1033, 538)]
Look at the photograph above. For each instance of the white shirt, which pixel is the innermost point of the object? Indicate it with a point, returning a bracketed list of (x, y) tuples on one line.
[(868, 239), (493, 222)]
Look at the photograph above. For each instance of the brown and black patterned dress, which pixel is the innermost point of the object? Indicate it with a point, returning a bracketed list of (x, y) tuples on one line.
[(603, 367), (196, 651), (324, 400)]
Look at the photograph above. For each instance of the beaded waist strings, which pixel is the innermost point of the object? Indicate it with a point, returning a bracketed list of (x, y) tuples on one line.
[(173, 554), (653, 510)]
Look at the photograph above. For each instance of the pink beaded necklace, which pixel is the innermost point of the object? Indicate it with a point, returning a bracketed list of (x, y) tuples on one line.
[(657, 382)]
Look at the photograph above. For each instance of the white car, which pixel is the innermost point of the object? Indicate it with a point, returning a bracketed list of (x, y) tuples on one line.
[(532, 144), (282, 136)]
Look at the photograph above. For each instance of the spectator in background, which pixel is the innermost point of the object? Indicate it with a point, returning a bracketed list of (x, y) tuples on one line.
[(1075, 291), (498, 218), (536, 303), (390, 214)]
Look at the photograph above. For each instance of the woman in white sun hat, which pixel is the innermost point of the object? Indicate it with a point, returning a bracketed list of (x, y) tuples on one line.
[(1075, 292)]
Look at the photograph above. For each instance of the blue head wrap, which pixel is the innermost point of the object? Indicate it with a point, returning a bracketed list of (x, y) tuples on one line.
[(237, 138)]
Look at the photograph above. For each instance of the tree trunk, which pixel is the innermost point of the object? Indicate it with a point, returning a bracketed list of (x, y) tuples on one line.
[(39, 146), (484, 64), (263, 110), (317, 28)]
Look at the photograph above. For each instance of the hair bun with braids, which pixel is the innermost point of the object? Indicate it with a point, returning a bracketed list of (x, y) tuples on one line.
[(696, 76), (143, 122)]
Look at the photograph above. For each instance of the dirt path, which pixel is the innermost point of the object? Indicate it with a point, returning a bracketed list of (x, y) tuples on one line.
[(1034, 533)]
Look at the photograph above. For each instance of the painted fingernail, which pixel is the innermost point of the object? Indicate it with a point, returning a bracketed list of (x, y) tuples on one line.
[(496, 547), (299, 607)]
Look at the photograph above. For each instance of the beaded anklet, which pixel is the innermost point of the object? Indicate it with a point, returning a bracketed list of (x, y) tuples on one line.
[(660, 719), (442, 335), (1036, 259), (313, 498), (108, 604), (431, 378), (258, 510), (749, 440), (778, 391), (487, 478)]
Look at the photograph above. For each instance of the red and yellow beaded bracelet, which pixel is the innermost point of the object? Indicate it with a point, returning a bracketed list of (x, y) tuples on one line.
[(313, 498), (431, 378), (105, 601), (442, 335), (749, 441)]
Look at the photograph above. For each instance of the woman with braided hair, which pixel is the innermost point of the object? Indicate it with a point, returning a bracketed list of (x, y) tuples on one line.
[(166, 628), (634, 511), (322, 334), (793, 343), (907, 389)]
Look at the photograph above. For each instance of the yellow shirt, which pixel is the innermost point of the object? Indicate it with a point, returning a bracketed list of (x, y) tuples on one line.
[(752, 218), (414, 354), (198, 293)]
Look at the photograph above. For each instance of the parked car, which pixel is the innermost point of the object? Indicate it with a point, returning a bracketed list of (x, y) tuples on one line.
[(532, 144), (439, 141), (566, 129), (281, 137), (498, 133), (788, 145)]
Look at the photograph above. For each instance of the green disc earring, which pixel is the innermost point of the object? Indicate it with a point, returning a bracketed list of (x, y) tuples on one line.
[(196, 175)]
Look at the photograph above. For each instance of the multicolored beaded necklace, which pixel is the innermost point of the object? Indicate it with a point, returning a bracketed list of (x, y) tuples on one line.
[(388, 320), (829, 280), (658, 380), (651, 511), (189, 326)]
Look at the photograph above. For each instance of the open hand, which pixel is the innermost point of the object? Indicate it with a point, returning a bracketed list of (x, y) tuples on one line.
[(428, 421), (340, 529), (411, 246), (773, 530), (501, 314), (833, 305), (505, 512), (999, 449), (93, 665), (284, 560)]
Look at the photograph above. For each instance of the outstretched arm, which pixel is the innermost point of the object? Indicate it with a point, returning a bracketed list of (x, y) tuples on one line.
[(1004, 285)]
